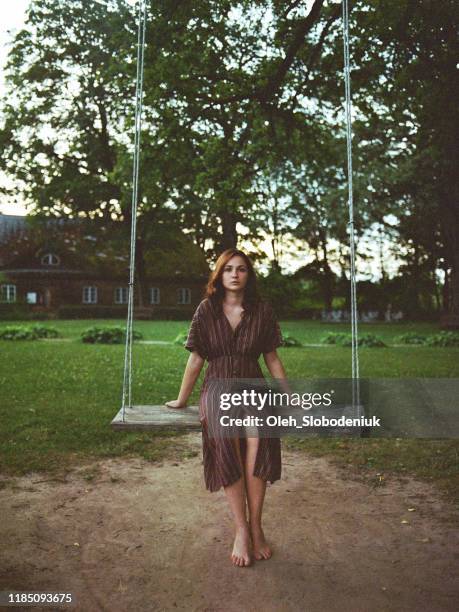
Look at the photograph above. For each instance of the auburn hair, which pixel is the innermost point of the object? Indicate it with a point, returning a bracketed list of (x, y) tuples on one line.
[(215, 291)]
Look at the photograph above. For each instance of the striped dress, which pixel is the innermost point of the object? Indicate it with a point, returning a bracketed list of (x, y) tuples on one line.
[(233, 354)]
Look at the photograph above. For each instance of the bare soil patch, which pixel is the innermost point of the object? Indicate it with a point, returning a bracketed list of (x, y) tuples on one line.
[(125, 535)]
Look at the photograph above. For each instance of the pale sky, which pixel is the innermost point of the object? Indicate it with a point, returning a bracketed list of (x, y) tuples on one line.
[(12, 15)]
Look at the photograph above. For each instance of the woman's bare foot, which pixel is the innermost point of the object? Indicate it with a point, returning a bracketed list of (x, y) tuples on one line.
[(241, 549), (261, 549)]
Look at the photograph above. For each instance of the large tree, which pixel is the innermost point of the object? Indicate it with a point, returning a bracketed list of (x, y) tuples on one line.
[(70, 84), (407, 55), (216, 78), (243, 120)]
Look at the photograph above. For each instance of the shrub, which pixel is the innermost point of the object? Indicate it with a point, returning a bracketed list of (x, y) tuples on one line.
[(411, 338), (181, 338), (43, 331), (107, 335), (343, 339), (26, 332), (369, 340), (443, 338), (17, 332), (290, 340), (335, 338)]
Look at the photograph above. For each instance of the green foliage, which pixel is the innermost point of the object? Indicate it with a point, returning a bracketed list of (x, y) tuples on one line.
[(17, 332), (107, 335), (181, 338), (281, 292), (234, 138), (411, 338), (343, 339), (335, 338), (369, 340), (290, 340), (44, 331), (26, 332), (443, 338)]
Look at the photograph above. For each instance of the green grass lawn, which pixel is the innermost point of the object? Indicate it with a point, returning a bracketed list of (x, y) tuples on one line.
[(151, 330), (307, 332), (57, 398)]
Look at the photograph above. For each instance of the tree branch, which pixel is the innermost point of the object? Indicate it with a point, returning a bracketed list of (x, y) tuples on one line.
[(305, 25)]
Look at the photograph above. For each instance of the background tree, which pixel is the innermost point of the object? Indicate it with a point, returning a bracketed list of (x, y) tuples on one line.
[(239, 98)]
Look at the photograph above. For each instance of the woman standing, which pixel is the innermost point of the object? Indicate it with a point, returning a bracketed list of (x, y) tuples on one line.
[(230, 329)]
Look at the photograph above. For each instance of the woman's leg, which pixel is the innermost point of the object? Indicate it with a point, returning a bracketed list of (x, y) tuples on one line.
[(236, 495), (256, 488)]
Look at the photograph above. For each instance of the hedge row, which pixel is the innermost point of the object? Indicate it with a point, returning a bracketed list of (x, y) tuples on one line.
[(26, 332)]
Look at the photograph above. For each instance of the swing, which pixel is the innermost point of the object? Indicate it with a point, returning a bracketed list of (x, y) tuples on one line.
[(136, 417)]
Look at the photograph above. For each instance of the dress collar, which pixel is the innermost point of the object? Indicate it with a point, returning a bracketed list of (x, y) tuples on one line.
[(218, 312)]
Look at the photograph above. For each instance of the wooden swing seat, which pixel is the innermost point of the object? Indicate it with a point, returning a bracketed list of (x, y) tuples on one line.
[(158, 418)]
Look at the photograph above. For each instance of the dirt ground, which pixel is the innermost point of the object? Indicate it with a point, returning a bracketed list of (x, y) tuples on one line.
[(144, 537)]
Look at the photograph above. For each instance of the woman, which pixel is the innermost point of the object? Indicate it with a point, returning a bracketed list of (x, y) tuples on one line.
[(230, 329)]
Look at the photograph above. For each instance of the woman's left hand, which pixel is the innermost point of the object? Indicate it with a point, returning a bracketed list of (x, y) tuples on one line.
[(174, 404)]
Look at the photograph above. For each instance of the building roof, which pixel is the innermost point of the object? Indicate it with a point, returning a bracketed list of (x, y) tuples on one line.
[(169, 255), (12, 224)]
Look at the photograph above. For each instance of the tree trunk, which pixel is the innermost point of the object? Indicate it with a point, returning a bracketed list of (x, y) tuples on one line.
[(445, 291), (275, 239), (454, 309), (450, 229), (381, 258), (328, 276), (140, 271), (416, 278), (229, 236)]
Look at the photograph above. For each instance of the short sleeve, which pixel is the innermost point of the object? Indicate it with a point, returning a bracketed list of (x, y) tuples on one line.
[(273, 335), (195, 340)]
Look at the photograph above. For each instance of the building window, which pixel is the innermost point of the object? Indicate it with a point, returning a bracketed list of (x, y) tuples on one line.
[(8, 293), (32, 297), (121, 295), (50, 260), (184, 296), (89, 295), (154, 295)]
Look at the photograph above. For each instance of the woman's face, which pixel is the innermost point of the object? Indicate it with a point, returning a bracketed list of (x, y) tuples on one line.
[(235, 274)]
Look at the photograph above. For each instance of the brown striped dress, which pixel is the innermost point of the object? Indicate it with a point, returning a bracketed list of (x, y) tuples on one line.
[(233, 354)]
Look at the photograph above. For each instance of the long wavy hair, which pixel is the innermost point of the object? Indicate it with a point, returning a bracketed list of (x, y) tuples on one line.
[(216, 292)]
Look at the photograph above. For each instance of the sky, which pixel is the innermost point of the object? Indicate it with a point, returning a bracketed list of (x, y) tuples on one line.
[(12, 17)]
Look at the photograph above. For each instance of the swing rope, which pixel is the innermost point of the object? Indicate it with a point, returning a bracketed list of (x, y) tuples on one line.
[(127, 378), (354, 331)]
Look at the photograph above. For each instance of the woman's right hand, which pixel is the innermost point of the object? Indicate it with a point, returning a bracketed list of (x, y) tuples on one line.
[(174, 404)]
